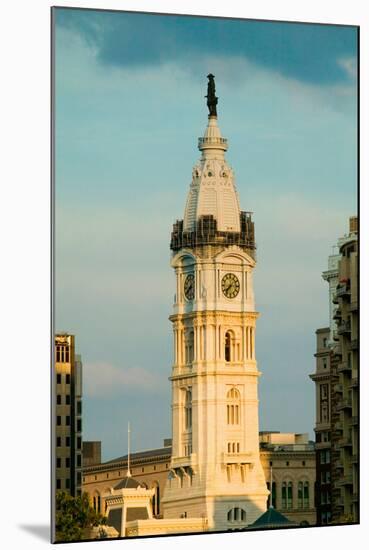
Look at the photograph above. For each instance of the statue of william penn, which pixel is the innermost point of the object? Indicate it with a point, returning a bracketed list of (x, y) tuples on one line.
[(212, 99)]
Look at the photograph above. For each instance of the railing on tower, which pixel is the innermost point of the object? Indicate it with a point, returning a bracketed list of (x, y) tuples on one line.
[(206, 233)]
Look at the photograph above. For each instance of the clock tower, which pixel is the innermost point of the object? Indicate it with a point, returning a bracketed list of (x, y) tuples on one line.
[(215, 470)]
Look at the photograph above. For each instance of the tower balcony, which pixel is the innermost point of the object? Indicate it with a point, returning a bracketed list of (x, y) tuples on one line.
[(353, 345), (345, 442), (344, 404), (213, 142), (344, 328), (205, 233), (354, 421), (343, 290), (345, 480), (344, 367)]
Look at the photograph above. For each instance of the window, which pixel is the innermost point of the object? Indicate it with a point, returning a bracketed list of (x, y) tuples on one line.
[(58, 462), (233, 407), (236, 515), (79, 442), (306, 503), (303, 462), (67, 483), (67, 462), (325, 340), (227, 349), (324, 391), (324, 416), (79, 425), (58, 441), (79, 461), (58, 399), (79, 407), (233, 447), (58, 420), (156, 499), (67, 420), (189, 347), (67, 399), (58, 354), (58, 483), (67, 441), (287, 463), (58, 378), (67, 378), (188, 409), (287, 495)]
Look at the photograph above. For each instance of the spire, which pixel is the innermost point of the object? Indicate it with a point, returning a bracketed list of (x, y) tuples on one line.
[(129, 453)]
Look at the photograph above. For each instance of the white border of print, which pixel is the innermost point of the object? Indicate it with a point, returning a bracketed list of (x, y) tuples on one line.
[(25, 303)]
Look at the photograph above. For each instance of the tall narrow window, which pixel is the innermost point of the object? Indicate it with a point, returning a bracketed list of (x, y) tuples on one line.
[(156, 499), (227, 350), (284, 495), (188, 409), (233, 407), (289, 495), (300, 495), (306, 495), (189, 347)]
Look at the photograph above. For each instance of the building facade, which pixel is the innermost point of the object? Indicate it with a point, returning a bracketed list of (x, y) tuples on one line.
[(215, 465), (288, 462), (68, 415), (336, 380), (346, 499)]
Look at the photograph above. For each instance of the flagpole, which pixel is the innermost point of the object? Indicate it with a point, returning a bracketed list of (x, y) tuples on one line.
[(129, 452)]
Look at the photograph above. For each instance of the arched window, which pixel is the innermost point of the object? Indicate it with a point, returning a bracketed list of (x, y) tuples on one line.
[(233, 407), (306, 500), (227, 348), (236, 515), (289, 495), (284, 495), (189, 347), (156, 499), (97, 502), (188, 409), (303, 497)]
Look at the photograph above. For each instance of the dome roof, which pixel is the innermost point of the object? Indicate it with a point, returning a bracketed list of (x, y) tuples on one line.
[(271, 519), (212, 191), (127, 483)]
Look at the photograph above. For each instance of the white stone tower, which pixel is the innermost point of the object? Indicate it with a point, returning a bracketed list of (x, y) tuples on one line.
[(215, 468)]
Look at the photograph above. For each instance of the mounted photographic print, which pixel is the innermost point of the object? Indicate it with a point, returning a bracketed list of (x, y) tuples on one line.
[(205, 275)]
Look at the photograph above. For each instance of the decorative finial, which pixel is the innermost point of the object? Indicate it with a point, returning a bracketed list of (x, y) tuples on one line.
[(212, 99)]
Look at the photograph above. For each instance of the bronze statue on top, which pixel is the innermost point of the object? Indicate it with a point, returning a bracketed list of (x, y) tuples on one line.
[(212, 99)]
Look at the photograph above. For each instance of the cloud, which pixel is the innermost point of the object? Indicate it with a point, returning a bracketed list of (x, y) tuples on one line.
[(306, 52), (349, 64), (106, 380)]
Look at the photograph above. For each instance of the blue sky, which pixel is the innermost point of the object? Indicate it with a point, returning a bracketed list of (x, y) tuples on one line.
[(129, 109)]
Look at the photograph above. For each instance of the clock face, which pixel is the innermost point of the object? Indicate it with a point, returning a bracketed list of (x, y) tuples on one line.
[(230, 285), (189, 287)]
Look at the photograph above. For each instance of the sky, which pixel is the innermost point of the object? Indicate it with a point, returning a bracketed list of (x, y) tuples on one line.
[(129, 97)]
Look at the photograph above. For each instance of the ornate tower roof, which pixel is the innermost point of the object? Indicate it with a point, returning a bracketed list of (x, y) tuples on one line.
[(212, 205)]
